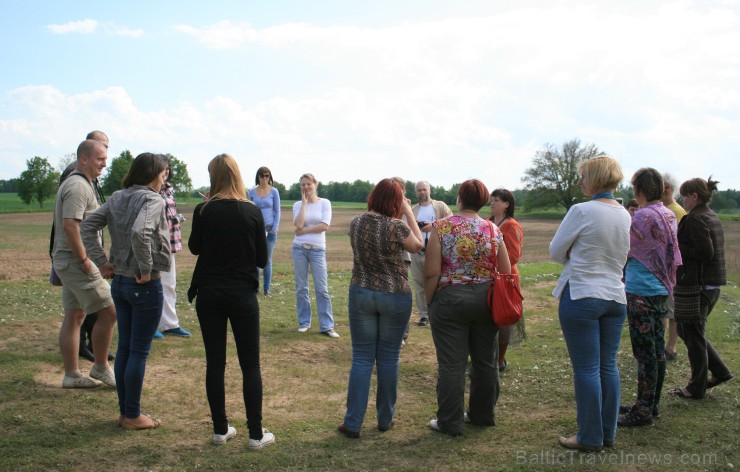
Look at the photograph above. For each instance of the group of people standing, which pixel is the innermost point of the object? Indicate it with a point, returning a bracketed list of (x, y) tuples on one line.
[(616, 266), (620, 265), (453, 258)]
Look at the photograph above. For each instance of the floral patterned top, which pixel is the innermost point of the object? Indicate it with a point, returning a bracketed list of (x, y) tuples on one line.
[(467, 255), (377, 247)]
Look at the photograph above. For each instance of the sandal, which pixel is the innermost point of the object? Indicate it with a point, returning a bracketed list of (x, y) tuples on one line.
[(711, 383), (142, 422), (679, 392), (670, 356)]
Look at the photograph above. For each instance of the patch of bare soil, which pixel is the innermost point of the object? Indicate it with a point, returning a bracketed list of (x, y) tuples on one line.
[(24, 240)]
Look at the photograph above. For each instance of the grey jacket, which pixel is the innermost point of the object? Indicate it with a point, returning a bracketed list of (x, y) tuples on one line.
[(138, 230)]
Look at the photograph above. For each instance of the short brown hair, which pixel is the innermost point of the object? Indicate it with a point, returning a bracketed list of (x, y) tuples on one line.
[(702, 188), (505, 196), (473, 195), (649, 183)]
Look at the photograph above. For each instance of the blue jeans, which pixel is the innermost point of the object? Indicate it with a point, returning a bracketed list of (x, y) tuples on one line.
[(315, 259), (267, 271), (138, 308), (592, 329), (377, 322)]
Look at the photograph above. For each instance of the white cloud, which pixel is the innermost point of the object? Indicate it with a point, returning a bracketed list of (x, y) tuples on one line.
[(91, 26), (124, 31), (222, 35), (84, 26)]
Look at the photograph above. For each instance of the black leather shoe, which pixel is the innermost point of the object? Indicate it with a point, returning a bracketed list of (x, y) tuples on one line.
[(111, 357), (87, 354)]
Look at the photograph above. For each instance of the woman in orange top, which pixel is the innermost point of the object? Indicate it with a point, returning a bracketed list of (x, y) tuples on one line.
[(502, 215)]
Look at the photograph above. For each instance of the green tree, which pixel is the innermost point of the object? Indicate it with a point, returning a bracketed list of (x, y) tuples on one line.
[(179, 177), (294, 193), (38, 182), (9, 186), (552, 179), (282, 191), (116, 171)]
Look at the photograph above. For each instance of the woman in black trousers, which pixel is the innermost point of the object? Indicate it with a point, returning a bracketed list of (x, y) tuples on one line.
[(702, 244), (228, 236)]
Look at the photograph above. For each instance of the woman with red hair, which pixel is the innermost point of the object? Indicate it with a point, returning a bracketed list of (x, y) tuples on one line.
[(463, 252), (379, 302)]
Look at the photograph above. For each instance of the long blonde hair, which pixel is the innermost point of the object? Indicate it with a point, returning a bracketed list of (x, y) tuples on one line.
[(226, 180)]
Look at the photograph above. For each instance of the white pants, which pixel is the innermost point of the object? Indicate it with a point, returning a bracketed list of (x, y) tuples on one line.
[(169, 318), (417, 273)]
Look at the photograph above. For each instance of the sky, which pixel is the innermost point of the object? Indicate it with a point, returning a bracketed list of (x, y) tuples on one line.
[(431, 90)]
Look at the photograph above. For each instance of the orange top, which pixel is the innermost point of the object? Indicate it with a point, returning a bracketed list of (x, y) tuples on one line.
[(514, 239)]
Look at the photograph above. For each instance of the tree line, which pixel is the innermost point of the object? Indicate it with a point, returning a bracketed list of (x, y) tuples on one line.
[(550, 182)]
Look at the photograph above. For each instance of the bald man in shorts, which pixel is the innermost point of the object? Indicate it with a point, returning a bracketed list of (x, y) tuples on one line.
[(84, 289)]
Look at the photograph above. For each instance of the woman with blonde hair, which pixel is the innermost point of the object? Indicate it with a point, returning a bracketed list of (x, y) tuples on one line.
[(592, 243), (311, 218), (228, 236)]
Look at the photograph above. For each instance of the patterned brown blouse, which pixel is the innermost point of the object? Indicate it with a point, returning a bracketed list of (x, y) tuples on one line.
[(377, 247)]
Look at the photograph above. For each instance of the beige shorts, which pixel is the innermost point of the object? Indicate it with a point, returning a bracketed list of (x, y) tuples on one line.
[(90, 292), (670, 307)]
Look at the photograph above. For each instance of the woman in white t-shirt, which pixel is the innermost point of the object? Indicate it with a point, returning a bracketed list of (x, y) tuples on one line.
[(311, 218), (592, 244)]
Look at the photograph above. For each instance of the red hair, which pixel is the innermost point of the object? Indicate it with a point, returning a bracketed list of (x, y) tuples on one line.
[(473, 195), (386, 198)]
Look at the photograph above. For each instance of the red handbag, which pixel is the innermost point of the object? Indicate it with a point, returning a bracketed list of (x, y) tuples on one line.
[(505, 298)]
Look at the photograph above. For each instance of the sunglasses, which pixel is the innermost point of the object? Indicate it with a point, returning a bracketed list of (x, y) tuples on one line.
[(264, 175)]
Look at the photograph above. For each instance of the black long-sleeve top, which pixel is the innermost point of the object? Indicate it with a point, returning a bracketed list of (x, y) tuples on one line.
[(228, 236)]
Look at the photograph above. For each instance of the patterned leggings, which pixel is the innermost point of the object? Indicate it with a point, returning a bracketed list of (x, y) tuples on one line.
[(645, 317)]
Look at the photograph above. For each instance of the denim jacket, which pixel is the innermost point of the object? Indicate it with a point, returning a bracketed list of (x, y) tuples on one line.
[(140, 236)]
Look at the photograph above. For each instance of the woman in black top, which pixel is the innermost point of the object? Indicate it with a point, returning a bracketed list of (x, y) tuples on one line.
[(698, 281), (228, 235)]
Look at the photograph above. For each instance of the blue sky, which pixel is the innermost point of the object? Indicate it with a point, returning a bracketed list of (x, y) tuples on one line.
[(435, 90)]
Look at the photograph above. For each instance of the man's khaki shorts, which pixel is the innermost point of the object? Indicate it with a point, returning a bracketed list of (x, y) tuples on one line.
[(90, 292)]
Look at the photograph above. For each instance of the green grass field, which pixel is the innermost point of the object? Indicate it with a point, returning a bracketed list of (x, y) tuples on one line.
[(305, 378)]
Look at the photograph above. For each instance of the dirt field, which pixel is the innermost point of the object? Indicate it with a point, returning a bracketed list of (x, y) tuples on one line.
[(24, 242)]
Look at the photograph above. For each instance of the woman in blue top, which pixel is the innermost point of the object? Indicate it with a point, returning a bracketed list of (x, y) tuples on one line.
[(267, 199)]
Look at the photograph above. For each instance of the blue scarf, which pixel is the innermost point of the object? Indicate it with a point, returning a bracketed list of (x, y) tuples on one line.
[(603, 195)]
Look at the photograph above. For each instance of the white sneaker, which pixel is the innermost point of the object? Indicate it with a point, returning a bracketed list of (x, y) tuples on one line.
[(105, 375), (222, 438), (433, 424), (80, 382), (331, 333), (303, 329), (267, 439)]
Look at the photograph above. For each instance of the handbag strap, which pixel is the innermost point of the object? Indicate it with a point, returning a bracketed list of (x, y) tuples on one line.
[(494, 261)]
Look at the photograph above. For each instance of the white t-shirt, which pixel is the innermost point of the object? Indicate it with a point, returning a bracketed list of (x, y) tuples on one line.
[(592, 242), (319, 212), (426, 213)]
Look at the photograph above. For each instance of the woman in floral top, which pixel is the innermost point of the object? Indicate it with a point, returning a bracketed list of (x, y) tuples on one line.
[(463, 252), (379, 302)]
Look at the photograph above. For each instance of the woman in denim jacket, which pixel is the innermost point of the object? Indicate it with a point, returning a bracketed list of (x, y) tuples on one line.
[(140, 251)]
